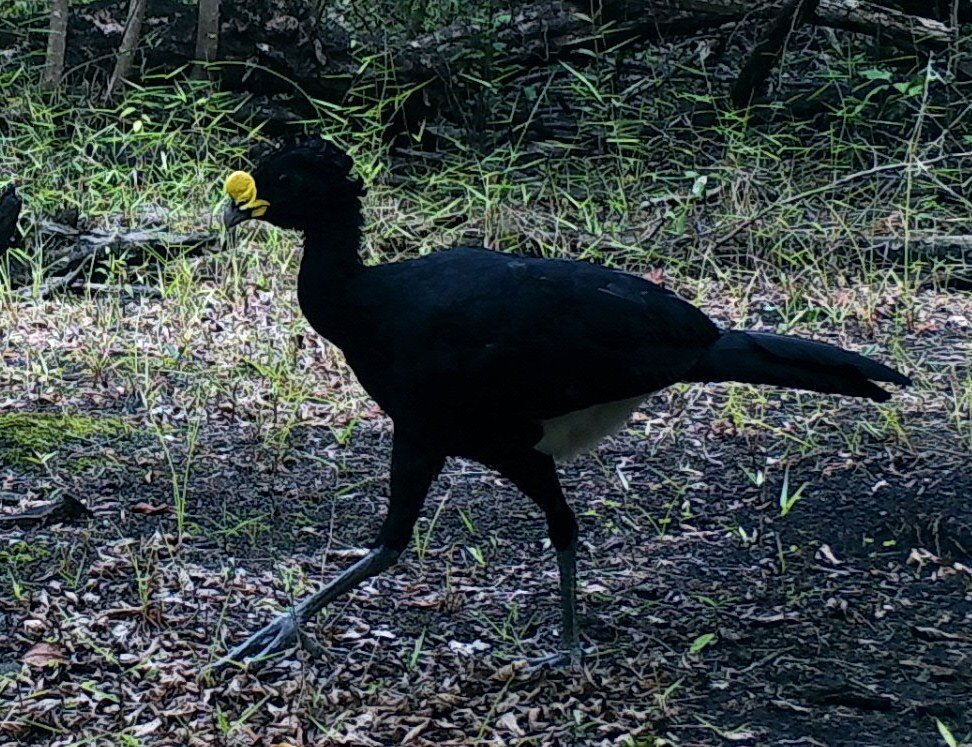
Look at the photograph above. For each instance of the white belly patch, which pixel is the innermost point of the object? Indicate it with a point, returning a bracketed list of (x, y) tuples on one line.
[(566, 436)]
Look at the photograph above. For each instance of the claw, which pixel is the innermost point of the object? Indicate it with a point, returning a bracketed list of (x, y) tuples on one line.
[(270, 641), (571, 659), (284, 633)]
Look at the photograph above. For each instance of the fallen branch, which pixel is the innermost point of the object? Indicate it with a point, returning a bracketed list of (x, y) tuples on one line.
[(68, 252), (927, 246), (861, 16), (879, 20), (950, 257), (65, 509)]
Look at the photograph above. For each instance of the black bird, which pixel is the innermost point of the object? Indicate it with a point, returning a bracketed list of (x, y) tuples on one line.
[(10, 204), (511, 361)]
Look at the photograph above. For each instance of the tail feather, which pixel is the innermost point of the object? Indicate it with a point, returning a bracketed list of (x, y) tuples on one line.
[(781, 360)]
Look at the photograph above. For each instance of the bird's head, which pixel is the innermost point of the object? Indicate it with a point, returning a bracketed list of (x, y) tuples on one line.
[(302, 186)]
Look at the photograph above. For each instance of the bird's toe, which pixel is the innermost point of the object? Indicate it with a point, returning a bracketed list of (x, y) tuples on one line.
[(279, 636), (571, 659)]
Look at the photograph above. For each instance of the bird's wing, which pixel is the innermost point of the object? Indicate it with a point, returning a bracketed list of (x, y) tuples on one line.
[(532, 336)]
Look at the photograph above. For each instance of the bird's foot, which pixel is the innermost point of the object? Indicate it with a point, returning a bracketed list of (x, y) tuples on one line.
[(570, 659), (284, 632), (279, 636)]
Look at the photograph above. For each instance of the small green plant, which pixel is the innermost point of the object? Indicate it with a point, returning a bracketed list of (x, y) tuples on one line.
[(787, 499), (665, 696), (37, 437), (343, 435), (417, 649), (704, 640), (477, 555), (421, 537), (947, 735), (757, 477)]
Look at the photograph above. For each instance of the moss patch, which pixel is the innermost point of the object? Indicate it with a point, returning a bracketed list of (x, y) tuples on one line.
[(26, 435)]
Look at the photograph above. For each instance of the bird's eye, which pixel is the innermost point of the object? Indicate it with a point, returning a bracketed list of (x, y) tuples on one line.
[(283, 178)]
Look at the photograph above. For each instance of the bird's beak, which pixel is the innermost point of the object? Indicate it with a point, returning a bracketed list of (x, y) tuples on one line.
[(234, 214)]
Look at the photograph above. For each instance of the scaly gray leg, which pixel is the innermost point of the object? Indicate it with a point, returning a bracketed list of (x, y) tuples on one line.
[(284, 632), (413, 467), (536, 475), (570, 653)]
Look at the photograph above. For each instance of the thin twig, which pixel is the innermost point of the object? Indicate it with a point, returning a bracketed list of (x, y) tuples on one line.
[(827, 187)]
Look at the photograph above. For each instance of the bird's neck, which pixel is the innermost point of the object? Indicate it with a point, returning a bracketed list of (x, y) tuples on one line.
[(329, 265), (331, 246)]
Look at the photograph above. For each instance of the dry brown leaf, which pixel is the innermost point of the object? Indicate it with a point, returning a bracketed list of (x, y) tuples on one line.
[(508, 721), (42, 655), (149, 510), (415, 731), (143, 730)]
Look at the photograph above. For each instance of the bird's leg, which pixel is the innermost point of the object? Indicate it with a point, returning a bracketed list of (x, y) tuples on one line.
[(569, 634), (570, 653), (284, 632), (536, 475), (412, 470)]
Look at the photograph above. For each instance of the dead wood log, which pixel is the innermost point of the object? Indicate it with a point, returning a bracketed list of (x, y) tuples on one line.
[(956, 248), (909, 31), (64, 510)]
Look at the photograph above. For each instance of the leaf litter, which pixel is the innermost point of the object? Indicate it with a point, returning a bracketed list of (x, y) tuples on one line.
[(845, 621)]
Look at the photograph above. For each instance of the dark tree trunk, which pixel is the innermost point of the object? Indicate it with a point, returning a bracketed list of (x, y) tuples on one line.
[(129, 43), (10, 204), (768, 50), (56, 44), (264, 44), (207, 36)]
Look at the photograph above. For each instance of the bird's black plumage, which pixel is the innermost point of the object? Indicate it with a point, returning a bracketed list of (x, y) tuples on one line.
[(469, 336), (10, 204), (508, 360)]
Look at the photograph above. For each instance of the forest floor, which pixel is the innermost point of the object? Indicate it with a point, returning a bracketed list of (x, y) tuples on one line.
[(711, 615)]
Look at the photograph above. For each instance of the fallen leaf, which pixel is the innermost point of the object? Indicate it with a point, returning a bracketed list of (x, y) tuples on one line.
[(508, 722), (149, 510), (827, 554), (42, 655), (143, 730)]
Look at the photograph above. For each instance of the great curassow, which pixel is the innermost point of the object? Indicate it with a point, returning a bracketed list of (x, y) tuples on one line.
[(511, 361)]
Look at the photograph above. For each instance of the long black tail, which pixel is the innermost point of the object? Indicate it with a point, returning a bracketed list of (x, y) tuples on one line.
[(779, 360)]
